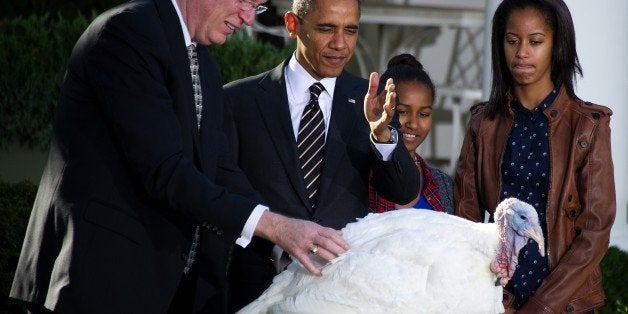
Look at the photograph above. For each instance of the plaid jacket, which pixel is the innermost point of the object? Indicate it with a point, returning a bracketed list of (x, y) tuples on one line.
[(438, 190)]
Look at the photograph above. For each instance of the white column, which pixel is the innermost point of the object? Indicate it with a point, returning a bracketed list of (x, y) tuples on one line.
[(602, 43), (489, 11)]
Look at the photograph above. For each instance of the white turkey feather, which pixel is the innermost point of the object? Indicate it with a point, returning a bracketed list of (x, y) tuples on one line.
[(403, 261)]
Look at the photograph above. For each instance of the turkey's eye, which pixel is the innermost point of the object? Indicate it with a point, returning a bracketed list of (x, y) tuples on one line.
[(523, 217)]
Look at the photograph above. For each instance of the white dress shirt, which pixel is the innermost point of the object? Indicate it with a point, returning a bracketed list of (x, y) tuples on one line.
[(298, 82)]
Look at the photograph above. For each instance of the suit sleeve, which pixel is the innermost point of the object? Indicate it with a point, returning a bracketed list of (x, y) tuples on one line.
[(131, 71), (396, 180), (231, 176)]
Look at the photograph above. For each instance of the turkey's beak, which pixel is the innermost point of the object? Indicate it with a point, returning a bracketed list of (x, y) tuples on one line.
[(536, 234)]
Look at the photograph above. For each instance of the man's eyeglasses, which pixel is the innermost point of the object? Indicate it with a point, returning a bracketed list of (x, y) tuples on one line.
[(258, 8)]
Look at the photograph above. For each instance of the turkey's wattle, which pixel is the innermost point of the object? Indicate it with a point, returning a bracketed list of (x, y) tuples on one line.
[(409, 261)]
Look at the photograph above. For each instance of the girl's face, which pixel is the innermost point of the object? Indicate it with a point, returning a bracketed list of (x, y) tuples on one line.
[(414, 107), (528, 45)]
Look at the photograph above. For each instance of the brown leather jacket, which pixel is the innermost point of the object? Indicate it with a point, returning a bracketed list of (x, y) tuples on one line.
[(581, 199)]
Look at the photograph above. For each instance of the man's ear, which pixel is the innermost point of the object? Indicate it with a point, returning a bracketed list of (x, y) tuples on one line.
[(292, 23)]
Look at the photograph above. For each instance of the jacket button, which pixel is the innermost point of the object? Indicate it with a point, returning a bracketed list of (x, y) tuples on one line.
[(316, 220), (219, 232), (554, 113), (572, 213), (584, 144), (569, 308)]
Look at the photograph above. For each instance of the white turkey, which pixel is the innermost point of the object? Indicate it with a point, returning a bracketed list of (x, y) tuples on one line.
[(411, 261)]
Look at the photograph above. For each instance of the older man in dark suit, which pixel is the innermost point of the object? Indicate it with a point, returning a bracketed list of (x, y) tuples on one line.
[(268, 125), (140, 185)]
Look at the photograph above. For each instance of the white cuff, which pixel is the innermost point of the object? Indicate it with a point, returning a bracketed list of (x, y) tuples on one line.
[(250, 225), (385, 150)]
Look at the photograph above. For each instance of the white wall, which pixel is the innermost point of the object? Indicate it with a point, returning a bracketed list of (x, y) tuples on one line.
[(602, 43)]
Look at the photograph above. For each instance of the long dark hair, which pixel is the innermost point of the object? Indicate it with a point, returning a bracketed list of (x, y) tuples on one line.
[(565, 64), (405, 68)]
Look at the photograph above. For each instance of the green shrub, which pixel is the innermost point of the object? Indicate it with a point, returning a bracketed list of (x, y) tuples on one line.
[(70, 9), (243, 56), (615, 280), (16, 201), (33, 59)]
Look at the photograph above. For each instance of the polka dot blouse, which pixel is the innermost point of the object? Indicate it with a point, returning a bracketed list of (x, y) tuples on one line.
[(525, 175)]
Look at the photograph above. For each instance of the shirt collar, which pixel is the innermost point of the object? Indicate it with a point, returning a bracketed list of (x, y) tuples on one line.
[(549, 99), (301, 80), (184, 28)]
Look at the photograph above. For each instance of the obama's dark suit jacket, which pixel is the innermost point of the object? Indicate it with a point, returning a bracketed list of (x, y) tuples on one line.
[(262, 138)]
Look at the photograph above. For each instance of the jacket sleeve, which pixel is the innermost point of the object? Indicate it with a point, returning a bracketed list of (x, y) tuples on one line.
[(596, 190), (396, 180), (136, 83), (466, 199)]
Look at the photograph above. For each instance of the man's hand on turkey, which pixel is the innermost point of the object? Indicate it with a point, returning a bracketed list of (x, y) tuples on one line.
[(302, 239)]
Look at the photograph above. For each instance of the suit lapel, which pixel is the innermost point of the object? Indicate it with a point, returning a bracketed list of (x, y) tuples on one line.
[(181, 70), (213, 107), (272, 102), (184, 100), (342, 122)]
